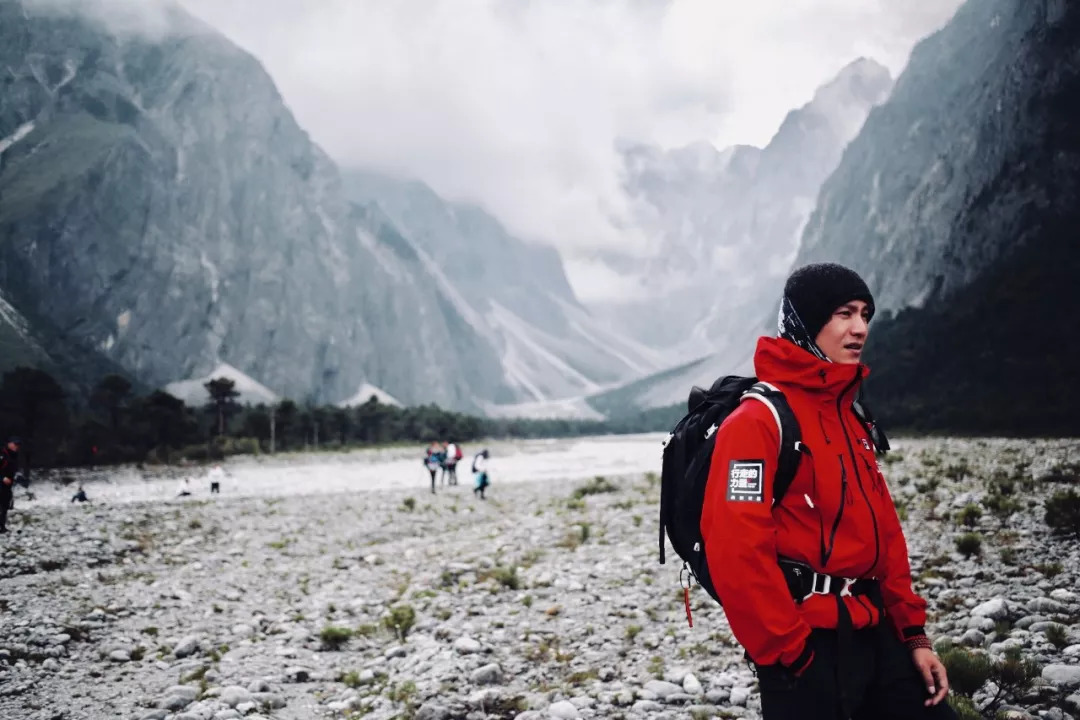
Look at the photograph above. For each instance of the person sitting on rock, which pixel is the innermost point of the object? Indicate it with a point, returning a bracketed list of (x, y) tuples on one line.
[(80, 496), (185, 488), (817, 587)]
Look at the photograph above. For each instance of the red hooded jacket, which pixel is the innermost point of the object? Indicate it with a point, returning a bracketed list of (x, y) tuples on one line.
[(837, 515)]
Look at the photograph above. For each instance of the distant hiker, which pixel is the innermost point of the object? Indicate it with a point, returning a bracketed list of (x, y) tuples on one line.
[(9, 472), (80, 496), (185, 488), (480, 473), (433, 460), (817, 587), (453, 455), (215, 475)]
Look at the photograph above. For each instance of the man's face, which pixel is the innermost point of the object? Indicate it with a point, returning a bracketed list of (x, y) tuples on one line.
[(13, 447), (843, 337)]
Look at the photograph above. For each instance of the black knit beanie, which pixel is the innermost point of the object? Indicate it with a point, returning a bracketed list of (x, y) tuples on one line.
[(811, 294)]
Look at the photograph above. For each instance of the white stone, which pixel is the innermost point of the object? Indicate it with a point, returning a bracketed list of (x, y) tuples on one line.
[(564, 710), (233, 695), (997, 609), (467, 646), (662, 688), (1063, 676)]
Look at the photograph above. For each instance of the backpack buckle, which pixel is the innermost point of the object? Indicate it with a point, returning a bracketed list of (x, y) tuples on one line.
[(823, 585)]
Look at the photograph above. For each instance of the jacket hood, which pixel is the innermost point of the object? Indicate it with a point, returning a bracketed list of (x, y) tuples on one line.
[(778, 360)]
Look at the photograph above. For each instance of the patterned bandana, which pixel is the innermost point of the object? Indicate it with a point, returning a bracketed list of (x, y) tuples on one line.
[(790, 327)]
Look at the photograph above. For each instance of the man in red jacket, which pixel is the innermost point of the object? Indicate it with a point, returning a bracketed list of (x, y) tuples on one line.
[(817, 588)]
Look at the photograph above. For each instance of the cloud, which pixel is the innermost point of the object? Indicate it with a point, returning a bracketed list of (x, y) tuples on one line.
[(151, 19), (517, 105)]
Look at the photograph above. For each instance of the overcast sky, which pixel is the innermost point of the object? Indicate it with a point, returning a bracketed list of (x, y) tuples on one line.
[(516, 104)]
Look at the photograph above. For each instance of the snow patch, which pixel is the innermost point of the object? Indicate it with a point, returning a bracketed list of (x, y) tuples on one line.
[(20, 132), (212, 272), (251, 391), (517, 329), (364, 393)]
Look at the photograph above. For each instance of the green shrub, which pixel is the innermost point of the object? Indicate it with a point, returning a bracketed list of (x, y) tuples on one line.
[(964, 707), (958, 471), (967, 671), (1063, 512), (505, 576), (596, 486), (969, 544), (1049, 569), (1013, 675), (970, 515), (1008, 555), (400, 620), (334, 637), (632, 632), (1057, 636), (408, 504)]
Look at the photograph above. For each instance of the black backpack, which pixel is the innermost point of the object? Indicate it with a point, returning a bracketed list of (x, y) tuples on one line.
[(687, 456)]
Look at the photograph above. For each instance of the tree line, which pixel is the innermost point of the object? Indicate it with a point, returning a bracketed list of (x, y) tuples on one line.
[(118, 425)]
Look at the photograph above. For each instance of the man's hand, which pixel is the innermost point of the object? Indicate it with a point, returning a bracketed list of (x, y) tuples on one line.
[(933, 673)]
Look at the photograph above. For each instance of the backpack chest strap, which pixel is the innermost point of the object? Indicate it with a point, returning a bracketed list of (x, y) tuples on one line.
[(804, 582)]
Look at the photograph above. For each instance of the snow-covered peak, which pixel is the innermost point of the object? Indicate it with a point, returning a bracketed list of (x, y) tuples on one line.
[(193, 391), (364, 393)]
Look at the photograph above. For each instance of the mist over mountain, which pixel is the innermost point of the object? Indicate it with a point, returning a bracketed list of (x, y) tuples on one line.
[(957, 202), (726, 224), (163, 212)]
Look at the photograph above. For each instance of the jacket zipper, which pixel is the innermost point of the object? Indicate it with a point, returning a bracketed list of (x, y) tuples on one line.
[(821, 423), (827, 553), (855, 465)]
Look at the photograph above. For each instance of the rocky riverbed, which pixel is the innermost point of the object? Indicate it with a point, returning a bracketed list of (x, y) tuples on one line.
[(545, 600)]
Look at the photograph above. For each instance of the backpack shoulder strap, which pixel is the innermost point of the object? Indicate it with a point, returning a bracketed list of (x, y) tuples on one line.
[(791, 446)]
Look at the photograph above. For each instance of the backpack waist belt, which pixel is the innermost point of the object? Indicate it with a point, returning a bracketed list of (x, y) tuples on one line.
[(804, 582)]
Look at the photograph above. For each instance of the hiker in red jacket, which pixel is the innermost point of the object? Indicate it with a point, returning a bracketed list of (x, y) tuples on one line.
[(817, 588)]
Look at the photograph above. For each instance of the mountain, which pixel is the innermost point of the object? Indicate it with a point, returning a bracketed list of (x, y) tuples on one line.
[(513, 292), (162, 211), (959, 202), (727, 223)]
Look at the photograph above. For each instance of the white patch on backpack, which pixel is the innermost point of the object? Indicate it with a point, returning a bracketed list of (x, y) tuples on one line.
[(865, 443), (745, 481)]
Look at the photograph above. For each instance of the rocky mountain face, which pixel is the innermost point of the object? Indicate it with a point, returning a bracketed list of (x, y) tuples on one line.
[(944, 178), (512, 292), (161, 209), (958, 202), (727, 223), (963, 215)]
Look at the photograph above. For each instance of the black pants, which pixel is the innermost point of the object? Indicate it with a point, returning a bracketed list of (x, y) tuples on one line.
[(883, 684), (6, 498), (215, 487)]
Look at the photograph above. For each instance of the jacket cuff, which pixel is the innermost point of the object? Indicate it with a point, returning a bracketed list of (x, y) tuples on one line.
[(915, 637), (799, 664)]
